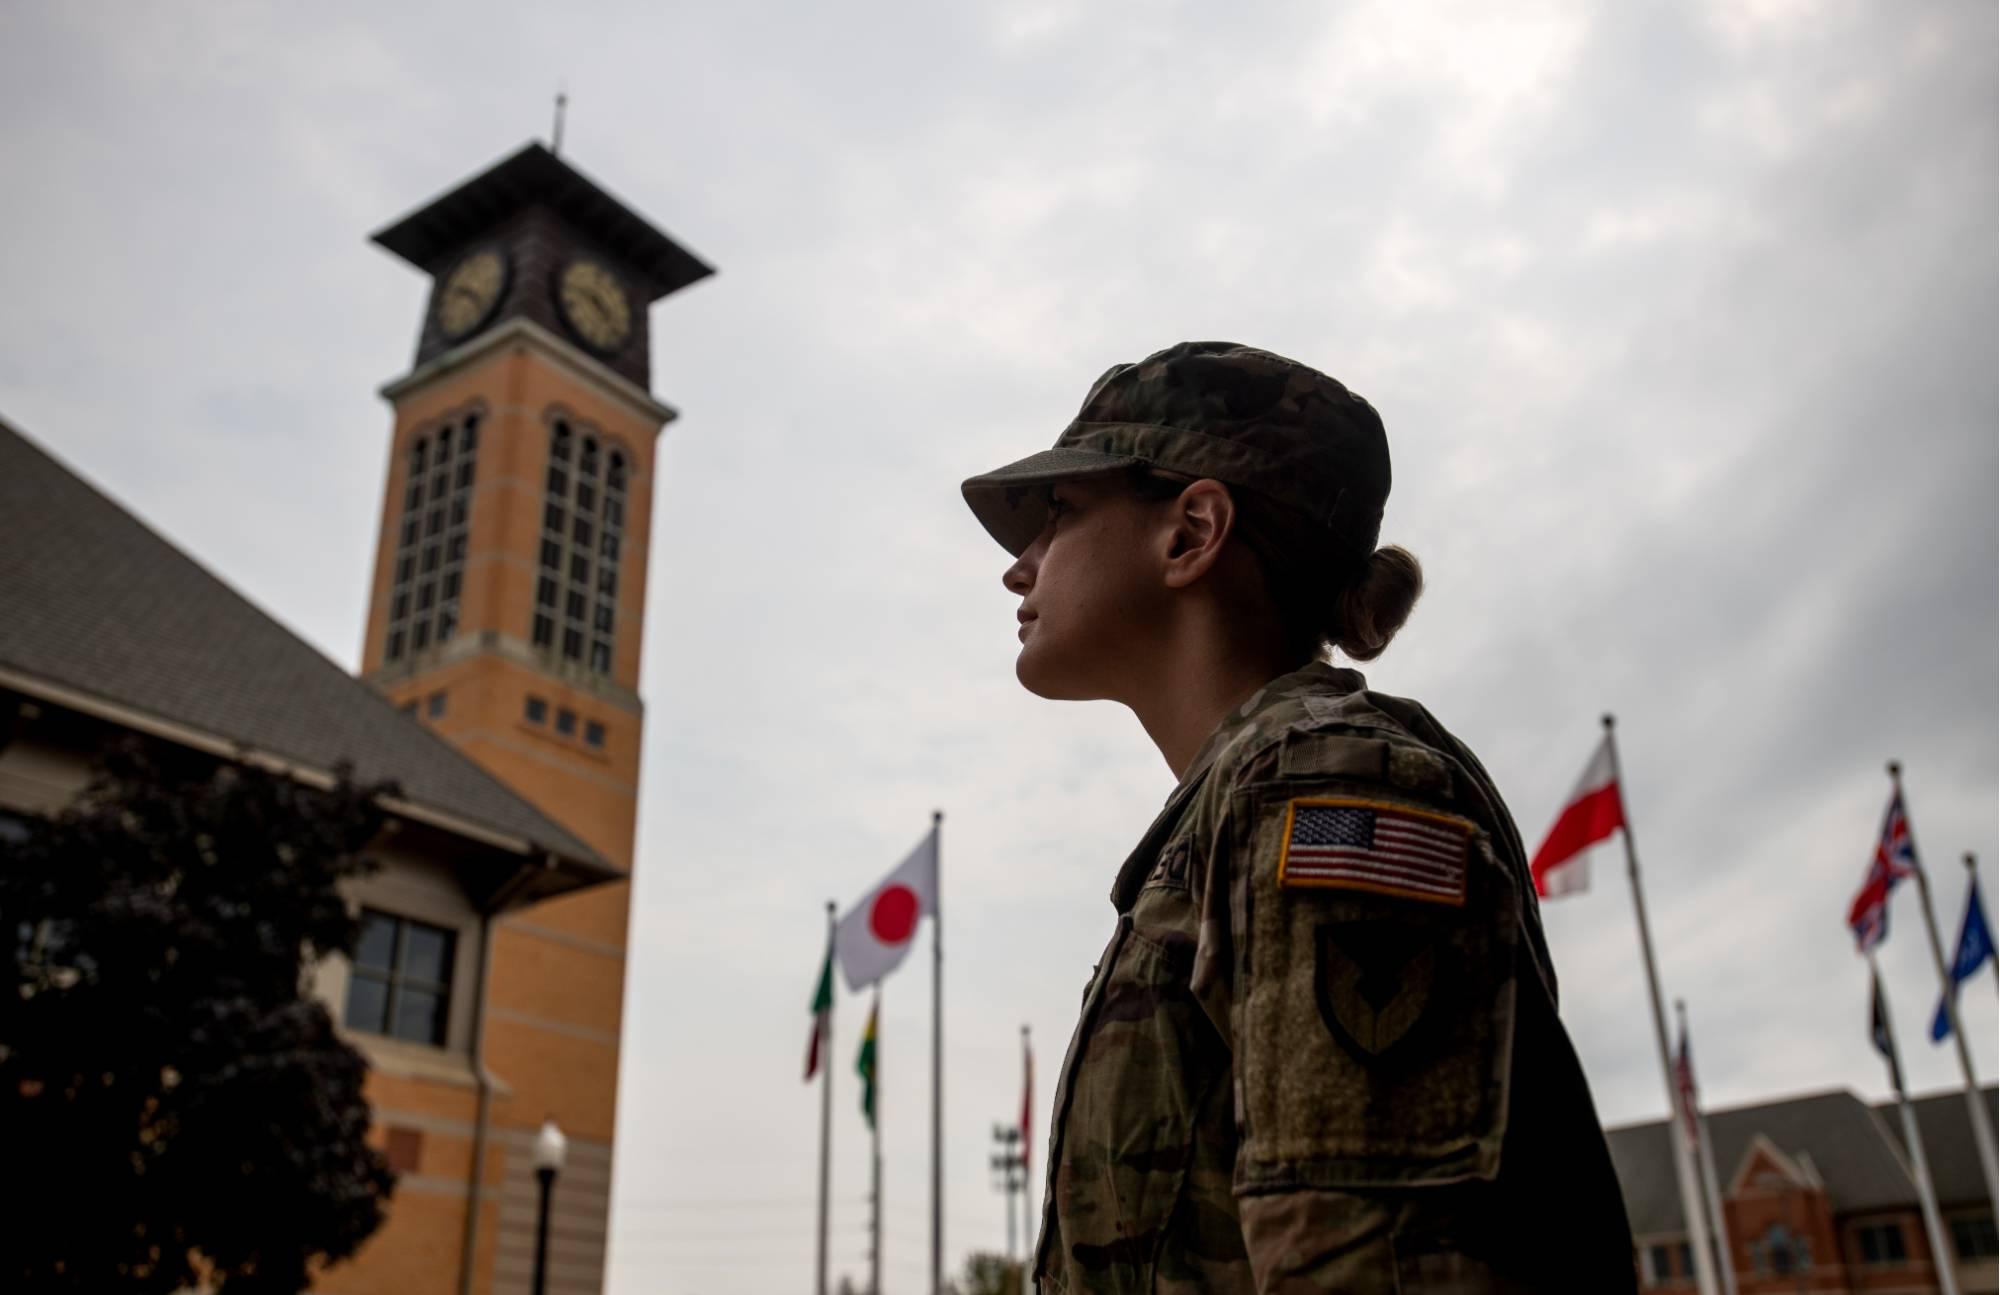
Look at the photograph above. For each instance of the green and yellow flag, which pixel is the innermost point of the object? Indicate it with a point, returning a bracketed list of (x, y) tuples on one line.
[(822, 1008), (864, 1065)]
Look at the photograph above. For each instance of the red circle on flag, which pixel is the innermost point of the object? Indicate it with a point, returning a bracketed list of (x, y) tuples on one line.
[(893, 919)]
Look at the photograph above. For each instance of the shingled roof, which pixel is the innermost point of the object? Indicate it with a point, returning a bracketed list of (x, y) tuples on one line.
[(1851, 1144), (1945, 1125), (100, 605)]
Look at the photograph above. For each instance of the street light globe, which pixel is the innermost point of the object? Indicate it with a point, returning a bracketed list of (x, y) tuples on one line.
[(550, 1147)]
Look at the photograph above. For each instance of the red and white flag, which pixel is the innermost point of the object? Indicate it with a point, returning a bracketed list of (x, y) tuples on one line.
[(876, 935), (1595, 810)]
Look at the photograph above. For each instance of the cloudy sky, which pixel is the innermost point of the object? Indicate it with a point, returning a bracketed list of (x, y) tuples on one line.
[(1681, 318)]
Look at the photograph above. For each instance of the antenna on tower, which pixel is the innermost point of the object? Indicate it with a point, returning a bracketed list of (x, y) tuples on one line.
[(562, 105)]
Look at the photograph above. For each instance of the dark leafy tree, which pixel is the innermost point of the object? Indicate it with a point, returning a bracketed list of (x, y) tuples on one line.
[(175, 1106)]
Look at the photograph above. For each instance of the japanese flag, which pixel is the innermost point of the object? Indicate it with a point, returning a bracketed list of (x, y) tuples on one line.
[(875, 935)]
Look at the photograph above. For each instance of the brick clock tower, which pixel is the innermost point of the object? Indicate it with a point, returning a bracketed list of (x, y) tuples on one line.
[(508, 615)]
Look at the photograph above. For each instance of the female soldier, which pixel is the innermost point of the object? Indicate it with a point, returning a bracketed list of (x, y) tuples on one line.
[(1321, 1051)]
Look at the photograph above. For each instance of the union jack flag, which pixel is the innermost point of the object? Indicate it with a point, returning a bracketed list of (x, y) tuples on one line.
[(1895, 858)]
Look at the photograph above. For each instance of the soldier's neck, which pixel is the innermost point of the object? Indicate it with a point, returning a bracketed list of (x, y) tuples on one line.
[(1203, 673)]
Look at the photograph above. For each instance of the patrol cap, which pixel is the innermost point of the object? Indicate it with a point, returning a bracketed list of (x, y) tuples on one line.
[(1245, 417)]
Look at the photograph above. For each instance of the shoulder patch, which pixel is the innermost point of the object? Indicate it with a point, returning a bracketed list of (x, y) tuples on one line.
[(1340, 843)]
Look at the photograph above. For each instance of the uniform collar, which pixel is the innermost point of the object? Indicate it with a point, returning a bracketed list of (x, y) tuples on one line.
[(1319, 677)]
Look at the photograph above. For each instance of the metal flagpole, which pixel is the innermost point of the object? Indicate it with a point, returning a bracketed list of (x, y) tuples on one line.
[(875, 1156), (825, 1107), (1029, 1231), (1705, 1153), (1982, 1132), (1941, 1255), (1691, 1210), (937, 1054)]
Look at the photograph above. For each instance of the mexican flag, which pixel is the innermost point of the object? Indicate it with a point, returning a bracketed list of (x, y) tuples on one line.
[(864, 1065), (822, 1010)]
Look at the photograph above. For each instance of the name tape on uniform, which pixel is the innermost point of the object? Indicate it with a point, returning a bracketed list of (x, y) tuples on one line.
[(1368, 845)]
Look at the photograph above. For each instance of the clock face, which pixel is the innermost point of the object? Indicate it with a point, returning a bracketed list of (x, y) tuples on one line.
[(470, 292), (595, 306)]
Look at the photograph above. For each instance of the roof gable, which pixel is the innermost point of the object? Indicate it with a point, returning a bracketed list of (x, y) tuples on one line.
[(1850, 1151)]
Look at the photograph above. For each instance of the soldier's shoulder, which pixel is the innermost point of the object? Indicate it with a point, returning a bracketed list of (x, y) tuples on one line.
[(1316, 734)]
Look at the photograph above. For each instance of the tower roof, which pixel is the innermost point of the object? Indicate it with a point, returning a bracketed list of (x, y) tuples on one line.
[(535, 175)]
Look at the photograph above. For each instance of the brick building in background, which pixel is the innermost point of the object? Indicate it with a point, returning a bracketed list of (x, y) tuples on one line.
[(1817, 1197), (499, 687)]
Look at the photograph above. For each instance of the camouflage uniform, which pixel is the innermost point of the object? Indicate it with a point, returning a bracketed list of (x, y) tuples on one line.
[(1286, 1087), (1306, 1062)]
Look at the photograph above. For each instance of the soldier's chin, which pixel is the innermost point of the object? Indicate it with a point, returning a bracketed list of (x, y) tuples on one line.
[(1041, 672)]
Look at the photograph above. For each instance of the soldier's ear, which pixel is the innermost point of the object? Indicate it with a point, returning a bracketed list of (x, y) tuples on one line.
[(1201, 520)]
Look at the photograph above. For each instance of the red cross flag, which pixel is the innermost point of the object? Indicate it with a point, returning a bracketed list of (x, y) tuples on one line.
[(877, 933)]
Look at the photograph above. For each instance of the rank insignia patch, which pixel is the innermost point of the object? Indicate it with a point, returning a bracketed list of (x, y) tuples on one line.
[(1367, 845)]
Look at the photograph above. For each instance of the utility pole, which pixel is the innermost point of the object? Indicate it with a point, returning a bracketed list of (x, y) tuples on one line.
[(1010, 1174)]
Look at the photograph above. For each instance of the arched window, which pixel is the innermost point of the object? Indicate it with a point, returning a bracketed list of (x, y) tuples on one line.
[(429, 570), (583, 533)]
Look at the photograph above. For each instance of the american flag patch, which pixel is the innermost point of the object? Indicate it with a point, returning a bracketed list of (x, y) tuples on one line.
[(1364, 845)]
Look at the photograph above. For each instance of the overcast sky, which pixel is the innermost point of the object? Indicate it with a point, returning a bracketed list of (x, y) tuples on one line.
[(1681, 318)]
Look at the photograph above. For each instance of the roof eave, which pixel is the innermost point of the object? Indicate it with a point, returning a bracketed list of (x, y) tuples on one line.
[(534, 174), (588, 871)]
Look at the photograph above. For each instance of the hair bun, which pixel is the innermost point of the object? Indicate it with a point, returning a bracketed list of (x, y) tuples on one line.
[(1377, 602)]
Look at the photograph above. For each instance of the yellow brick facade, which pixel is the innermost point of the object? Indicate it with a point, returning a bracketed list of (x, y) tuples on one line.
[(555, 984)]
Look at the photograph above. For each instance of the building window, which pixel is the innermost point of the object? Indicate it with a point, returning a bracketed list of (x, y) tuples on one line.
[(537, 711), (1656, 1266), (1973, 1237), (1880, 1243), (593, 734), (443, 506), (1780, 1252), (400, 984), (583, 525), (434, 706), (566, 723), (1684, 1256)]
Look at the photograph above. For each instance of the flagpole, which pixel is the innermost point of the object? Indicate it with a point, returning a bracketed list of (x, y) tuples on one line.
[(937, 1057), (825, 1109), (1941, 1256), (1029, 1232), (875, 1155), (1982, 1131), (1705, 1155), (1691, 1208)]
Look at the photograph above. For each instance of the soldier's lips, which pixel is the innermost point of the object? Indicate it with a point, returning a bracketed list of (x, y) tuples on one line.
[(1022, 633)]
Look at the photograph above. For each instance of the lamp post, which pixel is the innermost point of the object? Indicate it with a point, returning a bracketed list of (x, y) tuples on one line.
[(550, 1148)]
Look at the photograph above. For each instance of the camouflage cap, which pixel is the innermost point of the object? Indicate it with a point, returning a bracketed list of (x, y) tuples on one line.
[(1242, 416)]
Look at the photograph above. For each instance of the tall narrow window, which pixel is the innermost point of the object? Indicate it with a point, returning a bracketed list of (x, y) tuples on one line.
[(583, 521), (431, 542)]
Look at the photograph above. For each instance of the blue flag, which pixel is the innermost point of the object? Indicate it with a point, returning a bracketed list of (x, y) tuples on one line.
[(1975, 946)]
